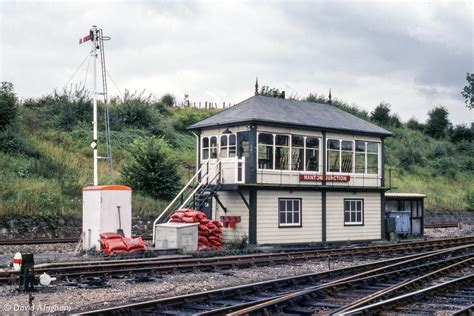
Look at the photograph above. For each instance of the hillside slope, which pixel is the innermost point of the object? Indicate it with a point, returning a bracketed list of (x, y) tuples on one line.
[(45, 156)]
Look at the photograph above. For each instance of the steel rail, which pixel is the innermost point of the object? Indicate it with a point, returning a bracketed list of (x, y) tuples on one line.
[(292, 299), (229, 262), (37, 241), (414, 295), (383, 294), (231, 295)]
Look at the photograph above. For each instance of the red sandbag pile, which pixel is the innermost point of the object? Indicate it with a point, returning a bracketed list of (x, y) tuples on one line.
[(209, 231), (113, 244)]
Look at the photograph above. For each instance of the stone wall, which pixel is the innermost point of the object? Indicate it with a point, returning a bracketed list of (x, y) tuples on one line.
[(29, 228)]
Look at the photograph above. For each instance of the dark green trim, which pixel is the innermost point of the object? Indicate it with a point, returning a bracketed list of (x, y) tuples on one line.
[(323, 215), (234, 187), (216, 196), (382, 158), (382, 214), (323, 193), (244, 199), (252, 155), (253, 217)]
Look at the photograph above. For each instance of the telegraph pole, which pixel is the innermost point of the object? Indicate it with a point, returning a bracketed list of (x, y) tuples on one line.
[(94, 143)]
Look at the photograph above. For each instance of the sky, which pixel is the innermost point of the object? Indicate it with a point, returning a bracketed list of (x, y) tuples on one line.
[(412, 54)]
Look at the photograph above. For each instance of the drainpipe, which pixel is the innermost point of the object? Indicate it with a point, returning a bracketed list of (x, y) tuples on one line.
[(197, 151)]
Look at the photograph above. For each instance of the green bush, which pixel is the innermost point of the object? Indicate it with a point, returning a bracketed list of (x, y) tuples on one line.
[(11, 142), (152, 168), (186, 117), (8, 106)]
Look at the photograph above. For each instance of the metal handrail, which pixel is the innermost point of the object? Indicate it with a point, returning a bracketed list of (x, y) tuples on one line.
[(178, 196), (201, 183)]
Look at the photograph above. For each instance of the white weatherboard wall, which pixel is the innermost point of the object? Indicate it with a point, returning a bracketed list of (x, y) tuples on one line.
[(335, 229), (100, 213), (268, 231), (235, 207)]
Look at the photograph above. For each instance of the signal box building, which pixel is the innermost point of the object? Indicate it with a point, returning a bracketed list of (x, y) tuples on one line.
[(291, 172)]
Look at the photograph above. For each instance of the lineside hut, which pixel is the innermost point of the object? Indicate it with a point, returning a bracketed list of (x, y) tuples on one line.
[(407, 212), (293, 172)]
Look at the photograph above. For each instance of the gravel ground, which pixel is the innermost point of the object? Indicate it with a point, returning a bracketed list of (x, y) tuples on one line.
[(71, 299), (447, 232)]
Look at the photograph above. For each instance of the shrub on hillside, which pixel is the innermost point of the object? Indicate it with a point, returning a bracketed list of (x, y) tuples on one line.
[(8, 106), (11, 142), (186, 117), (438, 123), (152, 168)]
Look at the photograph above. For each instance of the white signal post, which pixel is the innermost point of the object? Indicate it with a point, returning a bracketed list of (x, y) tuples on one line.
[(94, 41)]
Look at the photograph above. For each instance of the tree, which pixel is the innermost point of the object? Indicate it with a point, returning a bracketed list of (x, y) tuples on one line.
[(381, 114), (8, 105), (468, 91), (461, 132), (152, 168), (415, 125), (271, 92), (168, 99), (438, 123)]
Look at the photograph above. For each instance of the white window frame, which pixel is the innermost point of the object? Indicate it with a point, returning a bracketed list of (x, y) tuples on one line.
[(351, 211), (353, 171), (227, 147), (290, 158), (293, 200), (209, 148)]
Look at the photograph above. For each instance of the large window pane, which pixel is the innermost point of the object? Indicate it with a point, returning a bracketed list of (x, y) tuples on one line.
[(333, 144), (224, 149), (282, 140), (346, 156), (232, 145), (265, 151), (297, 152), (297, 158), (333, 160), (312, 154), (266, 139), (265, 157), (282, 151), (372, 163)]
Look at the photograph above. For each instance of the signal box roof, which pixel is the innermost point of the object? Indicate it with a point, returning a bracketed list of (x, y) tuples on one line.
[(292, 113)]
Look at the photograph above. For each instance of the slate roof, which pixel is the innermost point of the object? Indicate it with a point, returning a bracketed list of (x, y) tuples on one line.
[(262, 109)]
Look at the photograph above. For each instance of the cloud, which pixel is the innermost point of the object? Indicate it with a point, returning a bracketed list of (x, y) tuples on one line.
[(413, 55)]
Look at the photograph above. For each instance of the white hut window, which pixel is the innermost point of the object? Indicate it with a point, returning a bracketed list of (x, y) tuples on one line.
[(228, 146), (289, 211), (205, 148), (353, 212), (209, 147)]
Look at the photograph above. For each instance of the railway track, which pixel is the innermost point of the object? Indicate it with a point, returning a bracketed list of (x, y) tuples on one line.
[(37, 241), (454, 296), (441, 225), (289, 295), (78, 270)]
